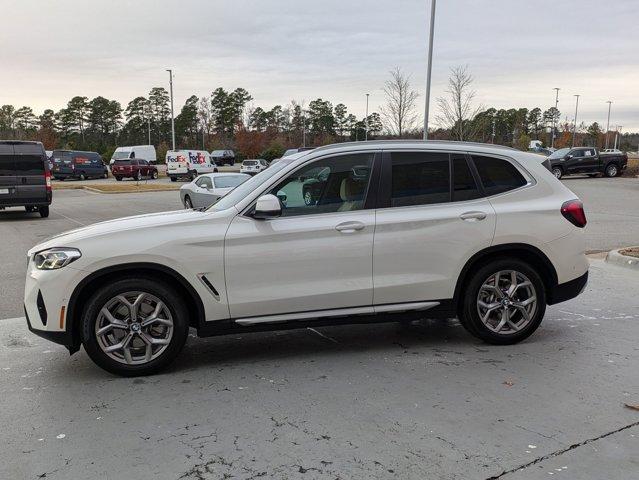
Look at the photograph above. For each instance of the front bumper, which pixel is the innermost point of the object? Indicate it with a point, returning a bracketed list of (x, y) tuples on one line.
[(61, 338)]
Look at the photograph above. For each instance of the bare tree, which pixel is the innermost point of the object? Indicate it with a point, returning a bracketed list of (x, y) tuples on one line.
[(457, 111), (399, 111)]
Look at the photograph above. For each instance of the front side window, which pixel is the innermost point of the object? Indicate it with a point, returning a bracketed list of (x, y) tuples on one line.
[(420, 178), (334, 184), (204, 182), (497, 175)]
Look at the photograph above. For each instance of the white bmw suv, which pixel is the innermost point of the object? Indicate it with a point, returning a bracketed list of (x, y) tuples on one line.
[(395, 230)]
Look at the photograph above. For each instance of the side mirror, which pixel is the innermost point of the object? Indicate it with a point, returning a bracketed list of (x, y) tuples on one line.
[(267, 206), (569, 156)]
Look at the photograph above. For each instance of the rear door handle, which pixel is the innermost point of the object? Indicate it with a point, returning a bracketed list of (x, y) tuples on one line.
[(350, 227), (472, 216)]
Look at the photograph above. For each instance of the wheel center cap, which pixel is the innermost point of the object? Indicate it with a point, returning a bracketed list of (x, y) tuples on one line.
[(505, 302), (135, 327)]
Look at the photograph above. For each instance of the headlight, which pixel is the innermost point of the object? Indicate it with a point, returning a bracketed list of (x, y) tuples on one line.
[(55, 258)]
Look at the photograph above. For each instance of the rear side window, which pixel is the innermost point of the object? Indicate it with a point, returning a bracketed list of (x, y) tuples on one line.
[(464, 185), (497, 175), (29, 165), (420, 178)]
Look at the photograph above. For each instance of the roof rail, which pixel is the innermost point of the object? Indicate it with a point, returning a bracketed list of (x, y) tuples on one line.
[(408, 141)]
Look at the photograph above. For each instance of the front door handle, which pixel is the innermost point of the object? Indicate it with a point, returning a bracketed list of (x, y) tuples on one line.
[(473, 216), (350, 227)]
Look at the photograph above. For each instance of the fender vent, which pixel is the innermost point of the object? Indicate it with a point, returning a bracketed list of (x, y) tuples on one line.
[(209, 286), (41, 308)]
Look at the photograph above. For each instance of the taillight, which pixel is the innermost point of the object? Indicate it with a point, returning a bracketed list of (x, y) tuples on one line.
[(573, 211), (47, 180)]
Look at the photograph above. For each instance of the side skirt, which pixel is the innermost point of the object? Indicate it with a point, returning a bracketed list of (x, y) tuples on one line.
[(377, 314)]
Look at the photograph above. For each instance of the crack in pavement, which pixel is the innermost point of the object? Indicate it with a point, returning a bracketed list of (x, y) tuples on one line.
[(562, 451)]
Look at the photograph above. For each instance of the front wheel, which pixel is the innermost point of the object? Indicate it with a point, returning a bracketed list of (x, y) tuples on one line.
[(154, 175), (188, 204), (504, 302), (612, 170), (557, 172), (134, 326), (138, 176)]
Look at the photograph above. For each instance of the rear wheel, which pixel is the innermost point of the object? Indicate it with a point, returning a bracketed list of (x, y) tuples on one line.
[(557, 172), (44, 211), (504, 302), (154, 175), (612, 170), (118, 178), (138, 176), (174, 179), (134, 326), (83, 176), (188, 204), (191, 176)]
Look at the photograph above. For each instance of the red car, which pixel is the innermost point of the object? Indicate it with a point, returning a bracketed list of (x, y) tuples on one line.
[(136, 169)]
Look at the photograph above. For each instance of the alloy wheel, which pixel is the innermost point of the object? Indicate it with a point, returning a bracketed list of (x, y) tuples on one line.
[(612, 171), (308, 198), (506, 302), (134, 328)]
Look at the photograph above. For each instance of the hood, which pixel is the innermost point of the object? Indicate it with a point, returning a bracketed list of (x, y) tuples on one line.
[(71, 237)]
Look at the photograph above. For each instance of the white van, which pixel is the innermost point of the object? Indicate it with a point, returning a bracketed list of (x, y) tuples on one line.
[(188, 163), (144, 152)]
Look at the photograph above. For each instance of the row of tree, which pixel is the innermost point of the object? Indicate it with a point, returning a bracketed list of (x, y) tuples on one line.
[(229, 119)]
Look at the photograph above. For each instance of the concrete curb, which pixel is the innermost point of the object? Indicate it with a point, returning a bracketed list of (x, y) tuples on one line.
[(115, 192), (617, 258)]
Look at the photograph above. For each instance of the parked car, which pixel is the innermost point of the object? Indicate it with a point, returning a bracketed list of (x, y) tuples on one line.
[(402, 231), (223, 157), (291, 151), (566, 161), (135, 169), (25, 180), (188, 164), (78, 164), (253, 166), (208, 189), (144, 152)]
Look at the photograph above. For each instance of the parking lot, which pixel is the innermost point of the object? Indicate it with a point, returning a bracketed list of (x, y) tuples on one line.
[(367, 401)]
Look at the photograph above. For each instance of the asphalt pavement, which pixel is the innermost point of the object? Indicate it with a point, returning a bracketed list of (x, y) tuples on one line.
[(349, 402)]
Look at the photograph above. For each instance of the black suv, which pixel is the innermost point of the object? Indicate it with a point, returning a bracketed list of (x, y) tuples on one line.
[(25, 180)]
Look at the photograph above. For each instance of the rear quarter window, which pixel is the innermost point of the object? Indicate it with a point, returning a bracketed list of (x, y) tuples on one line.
[(497, 175)]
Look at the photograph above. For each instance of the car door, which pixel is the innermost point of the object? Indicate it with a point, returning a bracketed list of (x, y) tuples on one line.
[(433, 217), (30, 161), (590, 162), (8, 179), (574, 160), (201, 195), (313, 257)]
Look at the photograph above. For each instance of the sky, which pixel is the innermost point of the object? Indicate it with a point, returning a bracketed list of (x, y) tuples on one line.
[(339, 50)]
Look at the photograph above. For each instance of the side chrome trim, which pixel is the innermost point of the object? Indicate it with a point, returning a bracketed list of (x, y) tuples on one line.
[(337, 312)]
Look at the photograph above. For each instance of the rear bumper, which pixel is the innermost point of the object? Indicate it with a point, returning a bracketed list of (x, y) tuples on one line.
[(566, 291)]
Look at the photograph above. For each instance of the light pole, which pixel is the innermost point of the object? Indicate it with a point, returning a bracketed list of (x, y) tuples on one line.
[(554, 117), (619, 127), (148, 122), (493, 134), (172, 119), (430, 65), (366, 137), (608, 123), (574, 128)]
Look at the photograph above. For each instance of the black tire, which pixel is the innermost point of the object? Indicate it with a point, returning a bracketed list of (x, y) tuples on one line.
[(191, 176), (612, 170), (557, 172), (154, 175), (106, 174), (188, 204), (44, 211), (118, 178), (469, 314), (112, 289), (138, 176), (83, 176), (174, 179)]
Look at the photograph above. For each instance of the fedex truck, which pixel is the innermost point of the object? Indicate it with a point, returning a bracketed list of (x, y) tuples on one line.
[(188, 164)]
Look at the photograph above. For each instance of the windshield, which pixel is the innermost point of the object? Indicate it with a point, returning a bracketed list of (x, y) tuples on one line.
[(561, 153), (248, 186), (230, 181), (120, 155), (249, 162)]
